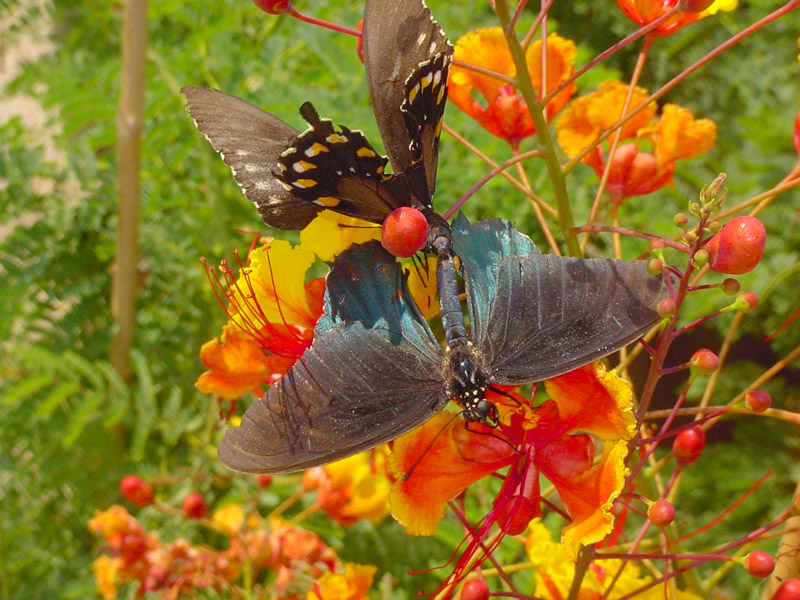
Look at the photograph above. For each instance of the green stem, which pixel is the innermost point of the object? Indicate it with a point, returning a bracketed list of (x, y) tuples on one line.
[(536, 110)]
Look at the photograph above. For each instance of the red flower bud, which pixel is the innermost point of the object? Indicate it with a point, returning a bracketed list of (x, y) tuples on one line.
[(136, 490), (758, 401), (704, 362), (738, 246), (789, 590), (661, 513), (405, 232), (666, 308), (194, 507), (265, 480), (475, 589), (750, 299), (689, 445), (759, 564), (274, 7)]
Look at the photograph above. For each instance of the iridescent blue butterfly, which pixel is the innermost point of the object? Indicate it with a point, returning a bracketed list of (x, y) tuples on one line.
[(376, 371)]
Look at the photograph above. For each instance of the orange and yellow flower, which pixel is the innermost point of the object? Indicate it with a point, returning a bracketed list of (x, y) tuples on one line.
[(354, 488), (648, 163), (350, 585), (503, 112), (554, 572), (643, 12), (553, 440)]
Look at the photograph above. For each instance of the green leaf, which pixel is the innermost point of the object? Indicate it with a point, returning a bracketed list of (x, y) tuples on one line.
[(56, 396), (80, 416), (27, 387)]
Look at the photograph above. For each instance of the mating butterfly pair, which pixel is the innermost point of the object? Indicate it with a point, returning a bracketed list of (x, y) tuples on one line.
[(375, 369)]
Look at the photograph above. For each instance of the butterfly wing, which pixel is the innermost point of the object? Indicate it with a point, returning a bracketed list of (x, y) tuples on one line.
[(373, 372), (547, 315), (340, 171), (250, 142), (407, 57)]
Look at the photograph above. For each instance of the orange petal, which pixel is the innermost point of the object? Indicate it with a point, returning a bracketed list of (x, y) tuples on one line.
[(678, 135), (350, 585), (454, 458), (237, 364), (594, 400), (589, 498)]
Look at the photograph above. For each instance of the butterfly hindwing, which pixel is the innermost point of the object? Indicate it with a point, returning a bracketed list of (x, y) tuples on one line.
[(250, 142), (372, 373), (536, 316)]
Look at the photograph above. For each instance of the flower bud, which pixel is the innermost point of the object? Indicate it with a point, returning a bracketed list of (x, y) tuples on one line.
[(700, 257), (404, 232), (759, 564), (689, 445), (654, 266), (265, 481), (657, 245), (661, 513), (789, 590), (666, 308), (136, 490), (194, 507), (731, 286), (750, 299), (360, 42), (704, 362), (681, 220), (274, 7), (758, 401), (475, 589), (738, 246)]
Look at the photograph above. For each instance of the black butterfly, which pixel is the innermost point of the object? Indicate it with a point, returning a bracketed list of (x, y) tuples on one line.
[(291, 177), (376, 371)]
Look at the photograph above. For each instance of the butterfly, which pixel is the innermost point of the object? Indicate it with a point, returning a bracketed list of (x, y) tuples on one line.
[(375, 370), (292, 176)]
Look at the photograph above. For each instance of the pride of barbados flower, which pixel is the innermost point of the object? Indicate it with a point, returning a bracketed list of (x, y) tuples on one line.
[(643, 12), (645, 164), (272, 309), (556, 439), (503, 112)]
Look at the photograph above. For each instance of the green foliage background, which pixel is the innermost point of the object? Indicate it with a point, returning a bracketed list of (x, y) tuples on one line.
[(70, 428)]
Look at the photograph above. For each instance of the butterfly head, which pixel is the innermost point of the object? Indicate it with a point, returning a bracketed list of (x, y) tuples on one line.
[(468, 385)]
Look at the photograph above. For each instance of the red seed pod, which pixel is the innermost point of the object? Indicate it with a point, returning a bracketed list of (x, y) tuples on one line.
[(661, 513), (759, 564), (789, 590), (194, 507), (696, 6), (136, 490), (475, 589), (689, 445), (738, 246), (405, 232), (274, 7), (704, 362), (758, 401), (265, 480)]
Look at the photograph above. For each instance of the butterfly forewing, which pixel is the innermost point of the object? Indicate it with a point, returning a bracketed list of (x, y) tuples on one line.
[(423, 110), (250, 142), (537, 316), (339, 171), (399, 37)]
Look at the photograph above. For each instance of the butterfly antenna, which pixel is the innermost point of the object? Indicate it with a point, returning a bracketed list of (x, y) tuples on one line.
[(429, 446)]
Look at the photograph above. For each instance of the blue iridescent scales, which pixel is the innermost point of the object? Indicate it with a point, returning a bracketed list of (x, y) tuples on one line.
[(375, 370)]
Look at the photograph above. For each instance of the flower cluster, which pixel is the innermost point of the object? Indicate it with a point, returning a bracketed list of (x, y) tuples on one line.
[(300, 563)]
